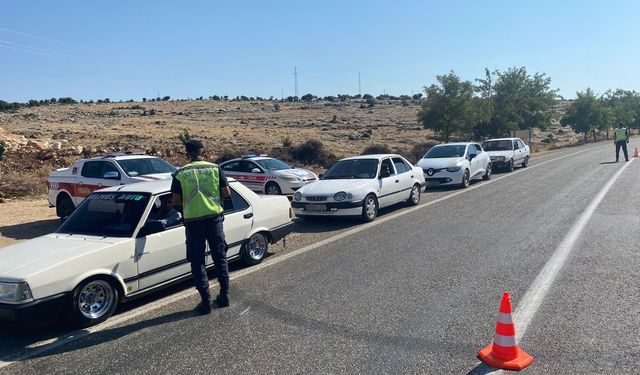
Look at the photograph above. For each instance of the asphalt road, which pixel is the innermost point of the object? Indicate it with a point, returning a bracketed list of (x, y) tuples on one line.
[(417, 291)]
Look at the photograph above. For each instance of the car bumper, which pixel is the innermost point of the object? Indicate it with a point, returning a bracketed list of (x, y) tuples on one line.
[(35, 313), (353, 208), (289, 188), (281, 231), (444, 178)]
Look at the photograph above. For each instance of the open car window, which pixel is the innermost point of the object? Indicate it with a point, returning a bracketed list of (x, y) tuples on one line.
[(235, 204)]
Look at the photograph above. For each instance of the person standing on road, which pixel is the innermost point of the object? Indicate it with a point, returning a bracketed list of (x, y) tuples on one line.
[(621, 140), (201, 186)]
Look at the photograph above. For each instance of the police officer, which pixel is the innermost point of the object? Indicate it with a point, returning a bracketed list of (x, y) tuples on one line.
[(622, 138), (201, 187)]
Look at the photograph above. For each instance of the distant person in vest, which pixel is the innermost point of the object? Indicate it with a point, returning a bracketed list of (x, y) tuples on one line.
[(622, 138), (201, 187)]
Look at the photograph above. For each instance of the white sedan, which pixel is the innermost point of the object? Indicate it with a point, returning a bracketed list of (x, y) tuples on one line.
[(359, 186), (267, 175), (507, 152), (455, 164), (115, 248)]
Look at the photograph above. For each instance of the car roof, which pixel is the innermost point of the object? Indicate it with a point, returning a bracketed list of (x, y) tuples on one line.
[(123, 157), (151, 187), (374, 156), (501, 139), (456, 144), (248, 158)]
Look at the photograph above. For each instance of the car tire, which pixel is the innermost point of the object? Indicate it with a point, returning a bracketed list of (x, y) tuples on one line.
[(414, 196), (525, 162), (466, 179), (272, 188), (487, 174), (369, 208), (255, 249), (510, 165), (64, 206), (93, 301)]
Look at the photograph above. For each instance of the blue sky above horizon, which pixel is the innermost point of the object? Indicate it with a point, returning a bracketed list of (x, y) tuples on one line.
[(129, 50)]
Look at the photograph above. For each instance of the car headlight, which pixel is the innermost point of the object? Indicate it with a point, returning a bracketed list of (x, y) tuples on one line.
[(15, 292), (297, 196), (290, 178), (454, 168), (341, 195)]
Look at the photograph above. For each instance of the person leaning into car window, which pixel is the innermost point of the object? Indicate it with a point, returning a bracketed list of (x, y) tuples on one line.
[(201, 187), (166, 214)]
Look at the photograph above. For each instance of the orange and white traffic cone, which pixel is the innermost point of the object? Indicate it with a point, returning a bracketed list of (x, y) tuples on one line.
[(504, 352), (635, 152)]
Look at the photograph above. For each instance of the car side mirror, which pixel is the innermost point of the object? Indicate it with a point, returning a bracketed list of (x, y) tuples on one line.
[(111, 175), (256, 170), (471, 156), (384, 174), (320, 175), (151, 228)]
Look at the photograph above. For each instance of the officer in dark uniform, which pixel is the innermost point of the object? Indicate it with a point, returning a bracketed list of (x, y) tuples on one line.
[(201, 187)]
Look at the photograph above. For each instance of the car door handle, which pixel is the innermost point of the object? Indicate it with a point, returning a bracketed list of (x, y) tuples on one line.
[(397, 181), (248, 216), (411, 176)]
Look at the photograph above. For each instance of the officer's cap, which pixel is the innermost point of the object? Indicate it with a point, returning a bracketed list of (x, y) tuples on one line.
[(193, 145)]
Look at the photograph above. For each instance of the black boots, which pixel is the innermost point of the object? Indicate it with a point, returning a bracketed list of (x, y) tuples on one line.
[(222, 300), (205, 305)]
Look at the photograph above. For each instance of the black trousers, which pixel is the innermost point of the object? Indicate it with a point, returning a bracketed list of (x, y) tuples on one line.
[(211, 231), (622, 144)]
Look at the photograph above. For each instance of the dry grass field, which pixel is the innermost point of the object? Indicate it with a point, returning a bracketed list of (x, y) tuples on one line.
[(40, 139)]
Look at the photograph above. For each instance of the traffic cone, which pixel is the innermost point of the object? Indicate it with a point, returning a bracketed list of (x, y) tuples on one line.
[(635, 152), (504, 352)]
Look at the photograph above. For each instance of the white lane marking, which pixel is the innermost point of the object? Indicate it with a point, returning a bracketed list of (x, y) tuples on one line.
[(534, 296), (146, 309), (245, 310)]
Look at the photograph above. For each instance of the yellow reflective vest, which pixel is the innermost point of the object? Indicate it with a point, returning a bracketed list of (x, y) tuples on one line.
[(200, 182), (621, 134)]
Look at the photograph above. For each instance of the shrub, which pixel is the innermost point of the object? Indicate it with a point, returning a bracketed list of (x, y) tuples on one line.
[(371, 102), (286, 142), (2, 148), (376, 149), (418, 150), (276, 107), (313, 152), (228, 155)]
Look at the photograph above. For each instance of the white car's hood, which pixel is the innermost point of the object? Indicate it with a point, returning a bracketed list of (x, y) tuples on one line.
[(330, 187), (506, 154), (438, 163), (18, 262), (298, 172)]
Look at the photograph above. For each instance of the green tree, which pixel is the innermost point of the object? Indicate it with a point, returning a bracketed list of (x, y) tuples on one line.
[(449, 106), (624, 106), (520, 101), (587, 113)]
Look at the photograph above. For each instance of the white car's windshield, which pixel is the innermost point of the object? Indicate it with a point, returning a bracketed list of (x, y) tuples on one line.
[(107, 214), (354, 168), (145, 166), (449, 151), (504, 145), (273, 164)]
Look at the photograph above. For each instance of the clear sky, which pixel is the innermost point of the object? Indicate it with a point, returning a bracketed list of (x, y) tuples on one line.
[(133, 49)]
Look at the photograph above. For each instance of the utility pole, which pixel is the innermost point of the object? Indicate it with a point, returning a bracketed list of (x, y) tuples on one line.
[(295, 79), (281, 94), (359, 85)]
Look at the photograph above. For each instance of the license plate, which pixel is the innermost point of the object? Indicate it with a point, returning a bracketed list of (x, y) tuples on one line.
[(315, 207)]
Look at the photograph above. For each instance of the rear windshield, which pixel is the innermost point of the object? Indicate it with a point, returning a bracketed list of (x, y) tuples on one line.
[(450, 151), (145, 166), (107, 214), (504, 145)]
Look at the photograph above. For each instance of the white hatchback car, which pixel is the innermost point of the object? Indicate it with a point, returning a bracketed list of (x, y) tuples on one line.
[(359, 186), (267, 175), (110, 250), (455, 164), (507, 152)]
